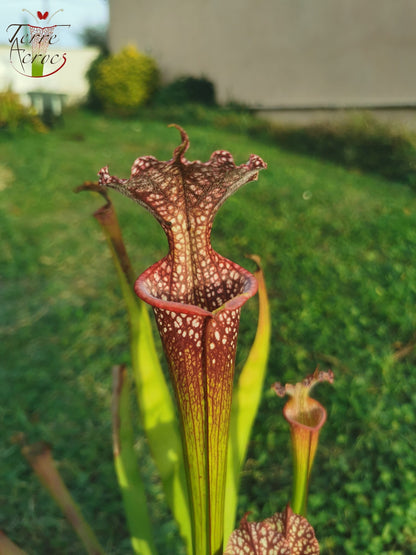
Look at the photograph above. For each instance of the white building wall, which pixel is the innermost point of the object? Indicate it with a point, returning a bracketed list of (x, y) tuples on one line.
[(280, 53), (70, 80)]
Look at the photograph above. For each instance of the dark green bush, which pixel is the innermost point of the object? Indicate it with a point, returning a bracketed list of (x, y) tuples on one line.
[(93, 100), (186, 90), (96, 36), (361, 143)]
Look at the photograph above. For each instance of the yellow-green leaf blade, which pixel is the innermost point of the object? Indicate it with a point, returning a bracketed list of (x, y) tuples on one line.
[(246, 400), (127, 470)]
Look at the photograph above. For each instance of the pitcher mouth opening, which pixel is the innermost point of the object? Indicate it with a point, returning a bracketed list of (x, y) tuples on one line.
[(151, 288)]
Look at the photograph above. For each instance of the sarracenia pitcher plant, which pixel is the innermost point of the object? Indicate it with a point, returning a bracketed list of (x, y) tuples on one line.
[(196, 295), (306, 416)]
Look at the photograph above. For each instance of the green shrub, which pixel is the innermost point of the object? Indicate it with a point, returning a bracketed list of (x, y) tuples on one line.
[(187, 90), (94, 100), (361, 143), (124, 81), (96, 36), (13, 114)]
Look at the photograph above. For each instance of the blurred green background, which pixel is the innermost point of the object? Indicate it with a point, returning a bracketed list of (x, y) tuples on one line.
[(337, 240)]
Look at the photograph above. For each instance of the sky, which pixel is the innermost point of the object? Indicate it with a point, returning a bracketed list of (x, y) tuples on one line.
[(77, 13)]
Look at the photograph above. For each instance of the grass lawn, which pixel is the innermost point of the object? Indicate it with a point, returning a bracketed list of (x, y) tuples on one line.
[(338, 250)]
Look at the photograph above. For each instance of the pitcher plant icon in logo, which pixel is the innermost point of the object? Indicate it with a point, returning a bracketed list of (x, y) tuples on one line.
[(30, 53)]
